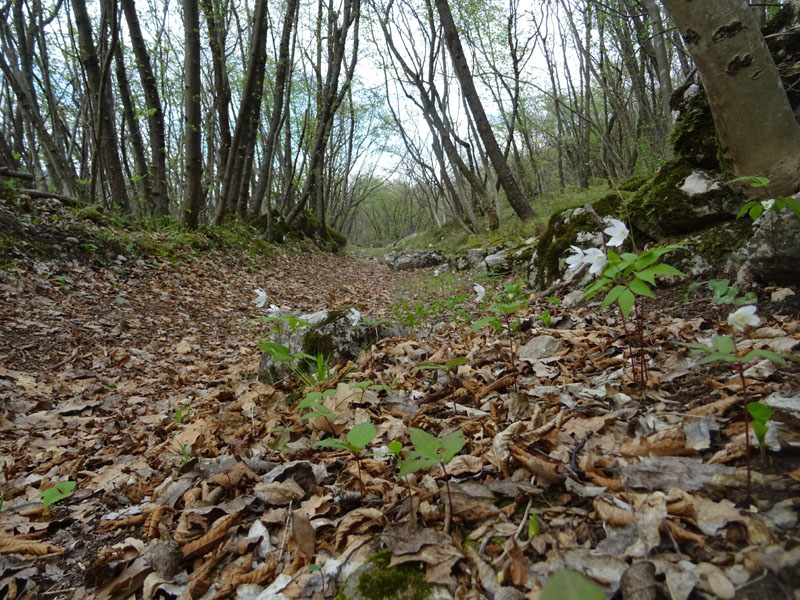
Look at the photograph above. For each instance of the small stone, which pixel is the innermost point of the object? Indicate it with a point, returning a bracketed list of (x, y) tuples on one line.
[(166, 558)]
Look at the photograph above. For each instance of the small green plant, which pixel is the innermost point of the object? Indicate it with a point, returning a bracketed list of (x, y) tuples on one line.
[(355, 441), (503, 320), (280, 439), (761, 414), (623, 278), (429, 451), (314, 403), (723, 348), (533, 526), (2, 499), (755, 208), (722, 292), (183, 413), (60, 491), (185, 452)]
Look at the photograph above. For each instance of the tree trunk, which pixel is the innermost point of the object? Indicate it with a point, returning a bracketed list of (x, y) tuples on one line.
[(106, 141), (155, 113), (193, 186), (249, 111), (757, 130), (264, 185), (513, 193)]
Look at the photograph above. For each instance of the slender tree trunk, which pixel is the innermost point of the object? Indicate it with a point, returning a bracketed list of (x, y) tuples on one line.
[(106, 141), (155, 113), (513, 193), (193, 186), (741, 81), (142, 170), (249, 110)]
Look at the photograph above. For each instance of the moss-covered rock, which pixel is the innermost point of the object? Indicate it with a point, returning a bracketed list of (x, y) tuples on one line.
[(305, 227), (693, 137), (564, 229), (376, 580), (93, 214)]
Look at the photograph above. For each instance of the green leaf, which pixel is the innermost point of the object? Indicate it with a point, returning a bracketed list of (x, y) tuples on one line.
[(569, 585), (507, 309), (335, 443), (415, 463), (761, 413), (61, 490), (625, 301), (455, 362), (662, 269), (723, 356), (424, 443), (723, 343), (533, 526), (760, 429), (452, 444), (493, 321), (395, 447), (768, 354), (361, 435), (640, 288), (612, 295), (756, 210), (427, 365)]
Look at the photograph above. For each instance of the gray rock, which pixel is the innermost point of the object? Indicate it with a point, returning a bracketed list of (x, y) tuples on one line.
[(542, 346), (773, 251), (473, 258), (402, 260), (498, 262), (338, 335)]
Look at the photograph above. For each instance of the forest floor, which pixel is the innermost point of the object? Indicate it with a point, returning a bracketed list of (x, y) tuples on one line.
[(134, 376)]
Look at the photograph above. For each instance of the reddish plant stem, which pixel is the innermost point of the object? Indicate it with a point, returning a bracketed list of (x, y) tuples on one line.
[(740, 368)]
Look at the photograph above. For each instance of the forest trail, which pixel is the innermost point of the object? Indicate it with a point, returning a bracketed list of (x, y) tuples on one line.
[(135, 379)]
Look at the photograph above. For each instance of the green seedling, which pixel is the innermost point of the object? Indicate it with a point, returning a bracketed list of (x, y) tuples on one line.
[(448, 366), (569, 585), (368, 385), (761, 414), (280, 439), (60, 491), (723, 348), (185, 453), (533, 526), (2, 500), (429, 451), (183, 413), (623, 278), (315, 567), (355, 441), (502, 321), (722, 292), (314, 403)]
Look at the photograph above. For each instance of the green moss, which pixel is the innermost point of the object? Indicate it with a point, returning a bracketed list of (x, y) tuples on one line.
[(694, 137), (718, 242), (316, 343), (337, 240), (93, 214), (634, 183), (382, 582), (659, 203)]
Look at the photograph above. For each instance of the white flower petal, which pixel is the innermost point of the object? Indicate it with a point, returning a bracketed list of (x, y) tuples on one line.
[(354, 316), (617, 231), (261, 297), (273, 311), (480, 291), (596, 258), (744, 317), (576, 259)]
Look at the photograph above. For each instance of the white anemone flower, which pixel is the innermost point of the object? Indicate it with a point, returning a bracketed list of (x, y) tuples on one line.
[(480, 291), (436, 272), (596, 258), (273, 311), (261, 297), (616, 231), (744, 317), (768, 204), (382, 454), (353, 316), (576, 259)]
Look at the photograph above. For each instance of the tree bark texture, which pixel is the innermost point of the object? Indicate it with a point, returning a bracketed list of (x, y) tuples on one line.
[(756, 128), (193, 188)]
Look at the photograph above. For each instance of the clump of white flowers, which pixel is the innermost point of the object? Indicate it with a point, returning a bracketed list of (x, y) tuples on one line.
[(594, 257), (262, 299)]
